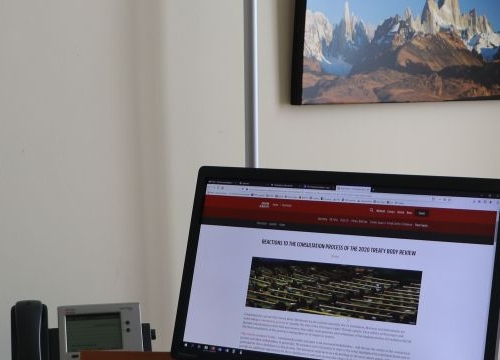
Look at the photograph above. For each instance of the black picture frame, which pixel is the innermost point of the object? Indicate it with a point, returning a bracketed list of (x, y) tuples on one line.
[(406, 58)]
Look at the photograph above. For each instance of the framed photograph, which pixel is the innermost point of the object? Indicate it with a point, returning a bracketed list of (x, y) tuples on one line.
[(385, 51)]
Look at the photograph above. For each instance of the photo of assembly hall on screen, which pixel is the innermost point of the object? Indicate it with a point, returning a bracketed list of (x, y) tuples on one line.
[(377, 294)]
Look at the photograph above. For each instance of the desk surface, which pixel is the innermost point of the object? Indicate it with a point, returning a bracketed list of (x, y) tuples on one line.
[(124, 355)]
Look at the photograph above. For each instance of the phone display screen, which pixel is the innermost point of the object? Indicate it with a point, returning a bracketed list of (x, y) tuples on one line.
[(94, 332)]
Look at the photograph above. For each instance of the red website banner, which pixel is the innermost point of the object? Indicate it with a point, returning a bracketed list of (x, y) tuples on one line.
[(368, 216)]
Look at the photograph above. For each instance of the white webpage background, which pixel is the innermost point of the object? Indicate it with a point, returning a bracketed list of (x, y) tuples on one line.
[(454, 298)]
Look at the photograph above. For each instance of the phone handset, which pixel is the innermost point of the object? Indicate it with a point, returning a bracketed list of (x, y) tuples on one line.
[(29, 331)]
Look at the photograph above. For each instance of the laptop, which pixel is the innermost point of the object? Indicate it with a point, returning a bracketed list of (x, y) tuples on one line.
[(284, 264)]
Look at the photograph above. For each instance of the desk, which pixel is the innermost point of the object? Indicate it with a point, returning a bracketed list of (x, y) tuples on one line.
[(124, 355)]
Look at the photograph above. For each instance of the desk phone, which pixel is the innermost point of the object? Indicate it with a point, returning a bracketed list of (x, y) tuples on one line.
[(98, 327)]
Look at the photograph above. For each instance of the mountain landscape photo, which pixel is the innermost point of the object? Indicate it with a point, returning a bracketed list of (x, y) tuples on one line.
[(430, 50)]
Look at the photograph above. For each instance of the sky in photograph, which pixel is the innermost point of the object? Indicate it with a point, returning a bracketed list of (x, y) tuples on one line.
[(376, 11)]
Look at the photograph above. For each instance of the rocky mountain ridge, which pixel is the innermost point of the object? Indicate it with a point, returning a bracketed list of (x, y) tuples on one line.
[(442, 54), (341, 46), (446, 15)]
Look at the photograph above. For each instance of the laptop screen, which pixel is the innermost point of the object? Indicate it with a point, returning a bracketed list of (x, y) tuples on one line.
[(323, 265)]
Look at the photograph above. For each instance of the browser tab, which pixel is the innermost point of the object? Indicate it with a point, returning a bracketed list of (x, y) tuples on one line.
[(354, 189)]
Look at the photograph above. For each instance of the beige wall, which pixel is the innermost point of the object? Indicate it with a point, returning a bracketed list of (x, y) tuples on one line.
[(191, 114), (69, 186), (107, 109)]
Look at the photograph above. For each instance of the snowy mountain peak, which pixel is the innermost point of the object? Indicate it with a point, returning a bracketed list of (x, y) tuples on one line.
[(347, 13), (408, 15), (450, 10), (349, 36), (317, 35), (348, 22), (475, 30), (446, 15)]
